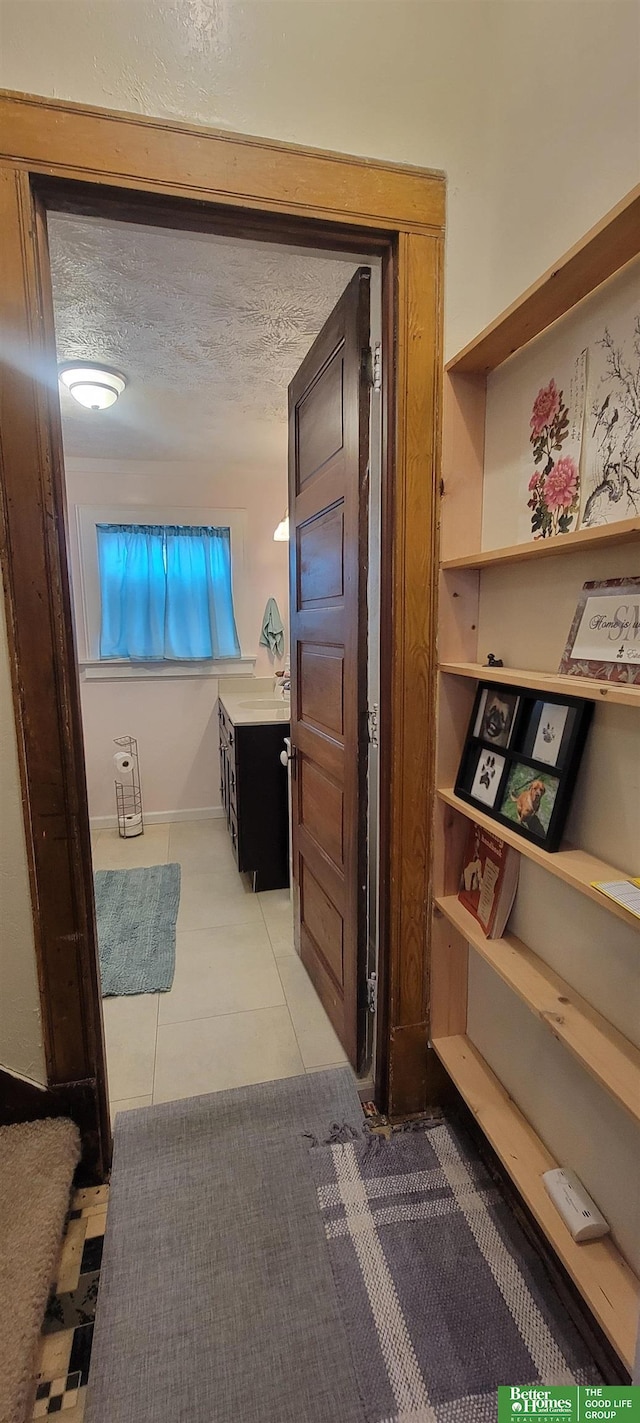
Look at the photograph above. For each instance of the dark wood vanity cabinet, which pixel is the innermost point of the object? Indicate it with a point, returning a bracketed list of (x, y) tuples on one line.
[(253, 787)]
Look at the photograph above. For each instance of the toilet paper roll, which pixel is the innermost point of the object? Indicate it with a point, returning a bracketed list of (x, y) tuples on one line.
[(123, 765), (132, 825)]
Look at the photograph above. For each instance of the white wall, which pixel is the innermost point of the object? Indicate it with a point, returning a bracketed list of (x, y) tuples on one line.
[(175, 720), (531, 107)]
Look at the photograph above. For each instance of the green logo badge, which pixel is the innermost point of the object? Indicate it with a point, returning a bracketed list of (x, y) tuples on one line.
[(569, 1404)]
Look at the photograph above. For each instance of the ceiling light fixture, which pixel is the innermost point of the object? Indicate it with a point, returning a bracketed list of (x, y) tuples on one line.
[(281, 534), (95, 387)]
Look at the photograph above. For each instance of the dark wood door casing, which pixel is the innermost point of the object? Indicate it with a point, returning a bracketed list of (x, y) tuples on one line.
[(328, 507), (41, 646), (135, 167)]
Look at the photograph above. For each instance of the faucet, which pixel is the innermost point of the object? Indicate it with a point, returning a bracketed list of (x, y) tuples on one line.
[(282, 682)]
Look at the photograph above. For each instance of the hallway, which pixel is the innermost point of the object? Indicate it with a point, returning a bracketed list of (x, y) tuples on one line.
[(241, 1009)]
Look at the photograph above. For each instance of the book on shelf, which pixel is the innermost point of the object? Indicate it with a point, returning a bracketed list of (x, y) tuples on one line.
[(489, 880)]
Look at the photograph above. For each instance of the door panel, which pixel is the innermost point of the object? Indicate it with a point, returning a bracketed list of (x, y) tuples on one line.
[(328, 463), (324, 923), (321, 688), (321, 558), (319, 420), (321, 809)]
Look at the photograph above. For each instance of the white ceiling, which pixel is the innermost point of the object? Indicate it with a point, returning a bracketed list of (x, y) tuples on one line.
[(208, 332)]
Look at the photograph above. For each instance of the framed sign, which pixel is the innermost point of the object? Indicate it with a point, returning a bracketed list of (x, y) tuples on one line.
[(604, 639), (521, 758)]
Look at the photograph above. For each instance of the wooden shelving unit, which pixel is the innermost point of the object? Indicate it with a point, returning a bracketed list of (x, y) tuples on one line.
[(618, 692), (608, 1285), (611, 1059), (606, 536), (575, 866), (596, 1267)]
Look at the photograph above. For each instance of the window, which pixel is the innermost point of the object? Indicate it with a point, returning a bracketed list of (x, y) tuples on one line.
[(165, 593)]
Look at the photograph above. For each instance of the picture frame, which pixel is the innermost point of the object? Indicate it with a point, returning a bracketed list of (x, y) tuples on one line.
[(604, 637), (521, 758)]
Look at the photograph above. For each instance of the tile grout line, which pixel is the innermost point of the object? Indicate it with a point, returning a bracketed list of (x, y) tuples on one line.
[(322, 1067), (293, 1026), (234, 1013)]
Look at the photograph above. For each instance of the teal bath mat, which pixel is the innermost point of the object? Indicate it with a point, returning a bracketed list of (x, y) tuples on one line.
[(136, 912)]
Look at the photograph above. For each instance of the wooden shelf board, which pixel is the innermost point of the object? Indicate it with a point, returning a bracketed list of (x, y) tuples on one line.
[(603, 536), (576, 867), (596, 1267), (607, 247), (619, 692), (606, 1054)]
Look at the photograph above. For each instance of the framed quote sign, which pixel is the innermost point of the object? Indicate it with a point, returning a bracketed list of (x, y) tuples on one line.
[(604, 640), (521, 757)]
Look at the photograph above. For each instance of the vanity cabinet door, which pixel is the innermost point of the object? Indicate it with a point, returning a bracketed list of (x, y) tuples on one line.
[(227, 763), (254, 794), (260, 805)]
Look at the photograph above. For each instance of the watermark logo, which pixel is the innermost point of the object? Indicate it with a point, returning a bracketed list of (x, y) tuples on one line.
[(569, 1404)]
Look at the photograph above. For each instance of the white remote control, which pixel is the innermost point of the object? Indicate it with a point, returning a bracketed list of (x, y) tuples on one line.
[(579, 1213)]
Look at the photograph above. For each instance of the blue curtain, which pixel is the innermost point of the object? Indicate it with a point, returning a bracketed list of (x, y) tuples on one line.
[(132, 591), (166, 593), (200, 621)]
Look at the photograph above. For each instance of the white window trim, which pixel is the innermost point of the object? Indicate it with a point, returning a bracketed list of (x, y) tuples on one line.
[(86, 589)]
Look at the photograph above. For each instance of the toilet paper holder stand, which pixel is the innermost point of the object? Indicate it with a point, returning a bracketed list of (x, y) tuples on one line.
[(129, 792)]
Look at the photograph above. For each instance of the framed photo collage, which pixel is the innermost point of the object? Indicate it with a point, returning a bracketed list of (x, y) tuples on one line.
[(521, 758)]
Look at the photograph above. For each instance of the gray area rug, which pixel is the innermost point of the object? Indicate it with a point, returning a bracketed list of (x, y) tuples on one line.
[(217, 1299), (267, 1261), (136, 912), (442, 1297)]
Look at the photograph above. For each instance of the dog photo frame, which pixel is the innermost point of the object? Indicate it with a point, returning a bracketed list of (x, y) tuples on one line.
[(521, 759)]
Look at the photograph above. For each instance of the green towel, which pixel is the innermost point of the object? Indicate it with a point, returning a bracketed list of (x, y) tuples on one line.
[(272, 635)]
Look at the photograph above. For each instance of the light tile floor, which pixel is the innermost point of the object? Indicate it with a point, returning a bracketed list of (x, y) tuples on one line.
[(242, 1008)]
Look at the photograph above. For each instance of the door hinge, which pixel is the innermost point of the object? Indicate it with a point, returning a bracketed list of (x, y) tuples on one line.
[(373, 360), (372, 724), (372, 992)]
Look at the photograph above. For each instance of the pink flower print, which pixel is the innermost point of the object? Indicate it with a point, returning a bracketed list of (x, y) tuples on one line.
[(545, 408), (535, 478), (561, 485)]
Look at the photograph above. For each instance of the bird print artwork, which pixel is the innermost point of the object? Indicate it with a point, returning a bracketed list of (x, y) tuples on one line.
[(611, 482)]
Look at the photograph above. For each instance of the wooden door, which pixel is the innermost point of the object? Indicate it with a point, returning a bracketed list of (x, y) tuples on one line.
[(328, 499)]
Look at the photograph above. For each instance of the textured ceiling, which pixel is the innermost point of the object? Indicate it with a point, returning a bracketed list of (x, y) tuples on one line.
[(207, 331)]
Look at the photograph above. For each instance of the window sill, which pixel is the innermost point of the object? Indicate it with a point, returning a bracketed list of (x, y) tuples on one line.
[(141, 671)]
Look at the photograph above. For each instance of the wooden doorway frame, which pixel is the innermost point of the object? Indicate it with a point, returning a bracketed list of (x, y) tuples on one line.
[(92, 160)]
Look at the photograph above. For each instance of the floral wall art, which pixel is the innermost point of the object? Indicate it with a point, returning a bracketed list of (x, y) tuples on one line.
[(611, 480), (556, 425)]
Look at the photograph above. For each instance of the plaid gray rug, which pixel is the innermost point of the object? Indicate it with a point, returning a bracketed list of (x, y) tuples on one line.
[(217, 1302), (136, 913), (441, 1295)]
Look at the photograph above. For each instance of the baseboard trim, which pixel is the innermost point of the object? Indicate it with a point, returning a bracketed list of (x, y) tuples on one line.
[(161, 817)]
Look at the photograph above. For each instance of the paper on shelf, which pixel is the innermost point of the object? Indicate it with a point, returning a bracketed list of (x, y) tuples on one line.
[(624, 891)]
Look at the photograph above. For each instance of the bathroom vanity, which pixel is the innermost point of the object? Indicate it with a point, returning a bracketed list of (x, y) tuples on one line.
[(253, 782)]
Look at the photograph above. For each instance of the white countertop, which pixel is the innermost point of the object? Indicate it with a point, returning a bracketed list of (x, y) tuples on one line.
[(251, 701)]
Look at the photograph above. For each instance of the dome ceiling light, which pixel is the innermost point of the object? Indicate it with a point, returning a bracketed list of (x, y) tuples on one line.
[(95, 387)]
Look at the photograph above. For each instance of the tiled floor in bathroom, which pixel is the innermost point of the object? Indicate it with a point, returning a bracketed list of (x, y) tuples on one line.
[(241, 1008)]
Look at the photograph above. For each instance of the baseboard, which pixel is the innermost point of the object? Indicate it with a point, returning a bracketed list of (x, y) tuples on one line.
[(161, 817)]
